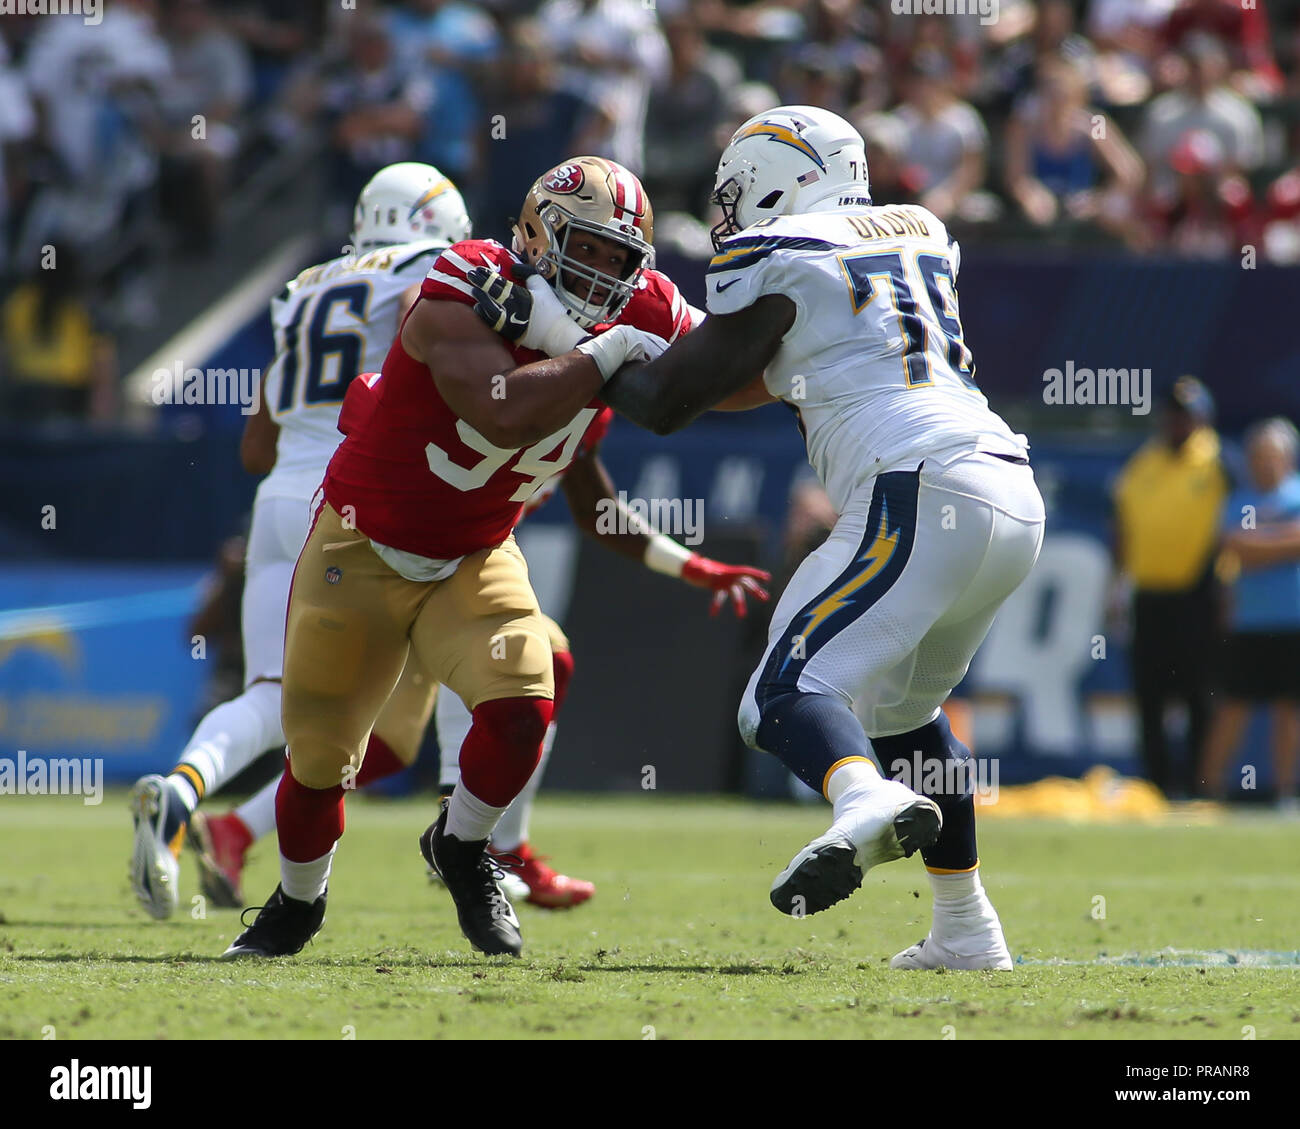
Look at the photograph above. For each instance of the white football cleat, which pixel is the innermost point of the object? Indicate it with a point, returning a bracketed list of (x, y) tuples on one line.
[(891, 822), (966, 942), (155, 870)]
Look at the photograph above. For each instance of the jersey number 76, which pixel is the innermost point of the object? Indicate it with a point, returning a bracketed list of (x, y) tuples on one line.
[(883, 275)]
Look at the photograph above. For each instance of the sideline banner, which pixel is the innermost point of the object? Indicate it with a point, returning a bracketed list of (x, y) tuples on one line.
[(97, 661)]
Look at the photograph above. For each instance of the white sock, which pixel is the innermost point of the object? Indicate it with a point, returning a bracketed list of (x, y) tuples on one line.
[(965, 922), (258, 813), (451, 719), (513, 828), (185, 790), (469, 818), (955, 890), (306, 881), (850, 783), (233, 735), (960, 903)]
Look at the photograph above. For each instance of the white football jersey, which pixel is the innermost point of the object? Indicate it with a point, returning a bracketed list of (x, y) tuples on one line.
[(331, 323), (875, 364)]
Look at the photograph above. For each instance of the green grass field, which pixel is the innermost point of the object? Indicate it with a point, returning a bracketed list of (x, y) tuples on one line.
[(679, 942)]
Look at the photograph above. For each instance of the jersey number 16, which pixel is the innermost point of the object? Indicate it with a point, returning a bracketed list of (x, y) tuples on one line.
[(320, 342)]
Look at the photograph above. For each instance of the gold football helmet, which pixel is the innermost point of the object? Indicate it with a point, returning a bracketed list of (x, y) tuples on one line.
[(586, 194)]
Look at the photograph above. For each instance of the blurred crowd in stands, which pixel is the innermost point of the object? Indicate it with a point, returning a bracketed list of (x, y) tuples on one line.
[(1147, 126)]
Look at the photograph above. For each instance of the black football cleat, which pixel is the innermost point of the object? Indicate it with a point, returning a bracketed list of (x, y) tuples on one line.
[(486, 916), (832, 866), (282, 927)]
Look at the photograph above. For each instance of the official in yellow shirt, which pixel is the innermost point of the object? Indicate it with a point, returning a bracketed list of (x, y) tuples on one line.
[(1169, 502), (53, 361)]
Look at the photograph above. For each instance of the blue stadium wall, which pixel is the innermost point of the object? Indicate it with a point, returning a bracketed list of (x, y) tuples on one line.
[(96, 657)]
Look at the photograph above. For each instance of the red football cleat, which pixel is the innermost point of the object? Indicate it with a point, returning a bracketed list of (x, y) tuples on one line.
[(546, 888), (220, 843)]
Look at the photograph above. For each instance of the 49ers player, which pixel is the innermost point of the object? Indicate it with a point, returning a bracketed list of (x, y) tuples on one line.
[(332, 322), (587, 487), (412, 547)]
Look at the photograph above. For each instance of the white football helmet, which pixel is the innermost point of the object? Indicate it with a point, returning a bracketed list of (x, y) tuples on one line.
[(408, 202), (787, 161)]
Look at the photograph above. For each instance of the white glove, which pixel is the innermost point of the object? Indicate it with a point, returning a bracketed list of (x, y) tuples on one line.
[(613, 349), (550, 329)]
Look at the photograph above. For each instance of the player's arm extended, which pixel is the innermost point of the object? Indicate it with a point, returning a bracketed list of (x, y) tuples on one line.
[(702, 369), (589, 490), (753, 395), (476, 375), (257, 444), (593, 501)]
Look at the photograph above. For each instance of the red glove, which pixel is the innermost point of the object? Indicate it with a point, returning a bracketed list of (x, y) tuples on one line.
[(726, 581)]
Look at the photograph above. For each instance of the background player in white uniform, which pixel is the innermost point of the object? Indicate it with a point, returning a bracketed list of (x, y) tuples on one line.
[(852, 311), (332, 322)]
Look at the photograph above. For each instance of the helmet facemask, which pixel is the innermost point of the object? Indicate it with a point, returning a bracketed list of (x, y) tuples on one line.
[(726, 196), (730, 197), (592, 297)]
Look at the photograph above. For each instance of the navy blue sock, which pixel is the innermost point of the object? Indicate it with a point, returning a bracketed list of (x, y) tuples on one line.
[(810, 732), (941, 767)]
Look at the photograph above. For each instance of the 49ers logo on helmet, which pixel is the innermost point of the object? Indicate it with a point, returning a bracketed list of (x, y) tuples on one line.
[(564, 180)]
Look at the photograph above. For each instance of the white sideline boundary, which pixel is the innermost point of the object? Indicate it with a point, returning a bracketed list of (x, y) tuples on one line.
[(1177, 958), (197, 341)]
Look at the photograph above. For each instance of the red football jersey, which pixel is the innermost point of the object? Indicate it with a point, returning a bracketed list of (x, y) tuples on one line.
[(590, 441), (421, 480), (358, 405)]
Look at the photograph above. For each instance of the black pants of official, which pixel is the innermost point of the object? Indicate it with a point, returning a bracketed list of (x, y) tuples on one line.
[(1175, 636)]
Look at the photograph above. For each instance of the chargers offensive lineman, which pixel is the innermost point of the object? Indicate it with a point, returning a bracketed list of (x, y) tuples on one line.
[(851, 309), (331, 322)]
